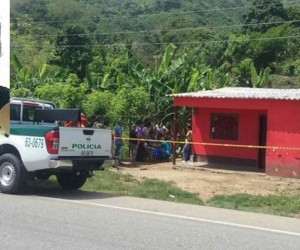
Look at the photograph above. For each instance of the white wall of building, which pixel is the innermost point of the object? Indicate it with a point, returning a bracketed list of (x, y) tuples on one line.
[(5, 41)]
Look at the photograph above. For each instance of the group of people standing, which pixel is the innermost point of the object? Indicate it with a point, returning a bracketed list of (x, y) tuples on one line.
[(146, 139)]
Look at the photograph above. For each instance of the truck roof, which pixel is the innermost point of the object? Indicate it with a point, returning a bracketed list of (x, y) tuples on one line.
[(32, 102)]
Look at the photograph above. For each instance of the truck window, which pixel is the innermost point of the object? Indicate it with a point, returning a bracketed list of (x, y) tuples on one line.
[(28, 113), (15, 112)]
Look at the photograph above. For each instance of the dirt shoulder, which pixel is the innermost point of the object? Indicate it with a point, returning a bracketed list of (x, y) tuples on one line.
[(208, 181)]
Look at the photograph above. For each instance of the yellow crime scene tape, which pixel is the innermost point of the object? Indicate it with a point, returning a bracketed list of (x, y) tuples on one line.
[(211, 144)]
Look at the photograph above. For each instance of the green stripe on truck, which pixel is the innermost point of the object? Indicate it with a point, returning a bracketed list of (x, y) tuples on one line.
[(30, 130)]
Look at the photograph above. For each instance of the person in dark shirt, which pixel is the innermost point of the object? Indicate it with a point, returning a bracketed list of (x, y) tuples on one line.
[(141, 151), (133, 144)]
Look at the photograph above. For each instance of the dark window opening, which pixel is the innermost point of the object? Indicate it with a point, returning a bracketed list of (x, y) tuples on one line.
[(28, 113), (224, 126)]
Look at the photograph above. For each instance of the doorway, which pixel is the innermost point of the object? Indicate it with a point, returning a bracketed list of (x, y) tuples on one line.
[(262, 141)]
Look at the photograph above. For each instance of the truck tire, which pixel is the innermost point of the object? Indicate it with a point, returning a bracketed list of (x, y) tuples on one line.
[(71, 181), (10, 174)]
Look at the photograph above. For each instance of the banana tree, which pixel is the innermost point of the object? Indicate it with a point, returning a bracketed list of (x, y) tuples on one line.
[(261, 80), (172, 75), (28, 81), (209, 81)]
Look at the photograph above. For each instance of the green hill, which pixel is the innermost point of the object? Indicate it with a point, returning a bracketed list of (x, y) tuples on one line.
[(83, 48)]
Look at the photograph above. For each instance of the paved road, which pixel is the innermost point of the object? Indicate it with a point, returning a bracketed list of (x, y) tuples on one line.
[(53, 219)]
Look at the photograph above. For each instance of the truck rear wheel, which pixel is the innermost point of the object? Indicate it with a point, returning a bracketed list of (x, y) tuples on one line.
[(71, 181), (10, 174)]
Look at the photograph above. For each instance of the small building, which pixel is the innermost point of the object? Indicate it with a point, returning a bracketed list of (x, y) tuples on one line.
[(253, 127)]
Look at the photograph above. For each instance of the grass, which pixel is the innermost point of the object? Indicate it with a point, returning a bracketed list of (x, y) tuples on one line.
[(284, 82), (283, 205), (115, 182), (123, 184)]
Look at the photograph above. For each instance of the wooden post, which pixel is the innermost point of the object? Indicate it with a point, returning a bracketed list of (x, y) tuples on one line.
[(174, 136)]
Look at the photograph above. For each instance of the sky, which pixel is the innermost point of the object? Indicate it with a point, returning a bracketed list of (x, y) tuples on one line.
[(5, 40)]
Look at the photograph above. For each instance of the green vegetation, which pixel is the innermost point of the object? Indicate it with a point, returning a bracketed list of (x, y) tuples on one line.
[(121, 58), (114, 182), (124, 184), (272, 204)]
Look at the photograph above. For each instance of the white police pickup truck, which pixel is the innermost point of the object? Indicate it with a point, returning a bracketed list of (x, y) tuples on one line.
[(38, 147)]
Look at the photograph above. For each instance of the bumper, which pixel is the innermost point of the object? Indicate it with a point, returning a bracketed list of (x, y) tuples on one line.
[(60, 164), (70, 163)]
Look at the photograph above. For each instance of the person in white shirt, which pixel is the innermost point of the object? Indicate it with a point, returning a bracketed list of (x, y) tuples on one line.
[(160, 129), (146, 130)]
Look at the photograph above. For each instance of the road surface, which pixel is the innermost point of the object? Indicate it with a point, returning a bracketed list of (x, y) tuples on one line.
[(56, 219)]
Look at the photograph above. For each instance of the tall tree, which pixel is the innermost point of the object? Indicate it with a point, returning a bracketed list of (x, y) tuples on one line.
[(263, 15), (73, 50)]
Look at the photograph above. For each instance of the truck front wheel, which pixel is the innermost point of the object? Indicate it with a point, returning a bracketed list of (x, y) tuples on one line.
[(10, 174), (71, 181)]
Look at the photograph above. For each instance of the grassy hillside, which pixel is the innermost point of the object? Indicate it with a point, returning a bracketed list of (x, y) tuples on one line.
[(178, 21), (120, 58)]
